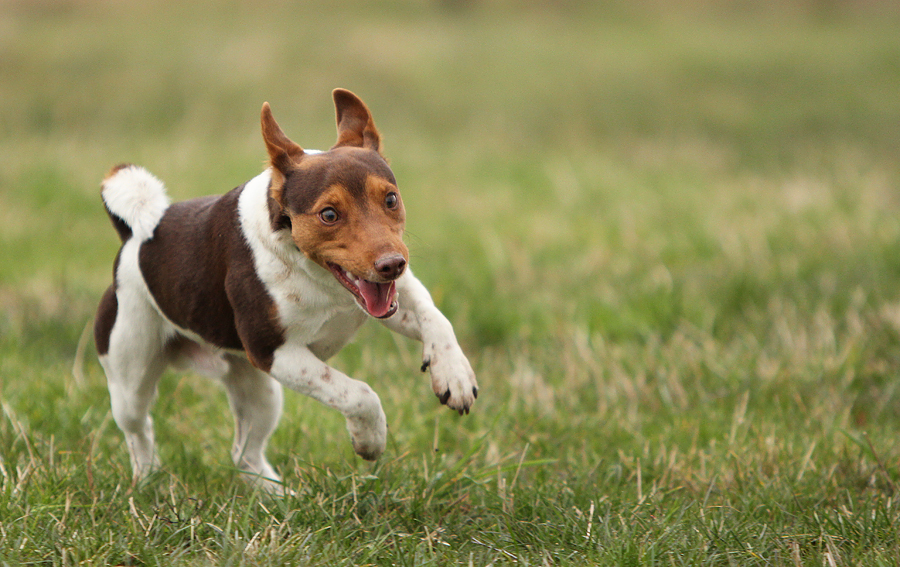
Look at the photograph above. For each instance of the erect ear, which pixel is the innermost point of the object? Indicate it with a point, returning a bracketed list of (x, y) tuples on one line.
[(354, 122), (283, 153)]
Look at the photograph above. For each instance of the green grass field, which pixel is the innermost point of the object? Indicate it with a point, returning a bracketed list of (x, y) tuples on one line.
[(668, 237)]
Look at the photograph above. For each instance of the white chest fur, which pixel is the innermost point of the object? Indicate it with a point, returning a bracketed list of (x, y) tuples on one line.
[(313, 307)]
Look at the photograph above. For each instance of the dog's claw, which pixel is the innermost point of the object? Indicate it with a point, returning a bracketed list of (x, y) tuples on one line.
[(452, 379)]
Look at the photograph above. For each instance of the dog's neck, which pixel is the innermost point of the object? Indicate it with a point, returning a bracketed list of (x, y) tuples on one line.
[(276, 257)]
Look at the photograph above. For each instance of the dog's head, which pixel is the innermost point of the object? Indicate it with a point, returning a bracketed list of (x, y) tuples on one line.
[(342, 206)]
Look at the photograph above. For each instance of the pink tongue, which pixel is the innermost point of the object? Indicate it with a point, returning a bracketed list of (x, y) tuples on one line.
[(378, 297)]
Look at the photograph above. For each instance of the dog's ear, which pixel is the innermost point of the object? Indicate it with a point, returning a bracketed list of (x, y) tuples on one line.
[(283, 153), (354, 122)]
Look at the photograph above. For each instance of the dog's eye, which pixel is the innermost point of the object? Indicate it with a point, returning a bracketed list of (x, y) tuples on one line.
[(328, 215), (391, 200)]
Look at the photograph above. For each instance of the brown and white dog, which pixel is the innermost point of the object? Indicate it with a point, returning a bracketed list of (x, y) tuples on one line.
[(257, 287)]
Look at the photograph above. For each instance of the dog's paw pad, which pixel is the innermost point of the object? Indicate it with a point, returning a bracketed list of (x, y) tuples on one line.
[(444, 397)]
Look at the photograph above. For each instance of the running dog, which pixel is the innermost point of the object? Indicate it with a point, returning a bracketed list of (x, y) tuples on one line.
[(261, 285)]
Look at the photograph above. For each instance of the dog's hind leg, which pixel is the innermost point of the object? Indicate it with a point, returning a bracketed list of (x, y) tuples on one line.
[(133, 365), (256, 402)]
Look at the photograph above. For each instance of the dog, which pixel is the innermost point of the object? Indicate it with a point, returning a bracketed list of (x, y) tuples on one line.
[(259, 286)]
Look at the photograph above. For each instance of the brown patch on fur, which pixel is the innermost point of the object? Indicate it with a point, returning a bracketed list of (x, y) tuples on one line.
[(264, 365), (105, 319), (107, 312), (349, 167), (199, 269)]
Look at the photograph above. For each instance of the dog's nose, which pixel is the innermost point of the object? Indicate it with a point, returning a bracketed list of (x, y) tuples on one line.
[(390, 266)]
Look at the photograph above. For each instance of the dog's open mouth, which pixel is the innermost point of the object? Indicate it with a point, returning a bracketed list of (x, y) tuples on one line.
[(378, 299)]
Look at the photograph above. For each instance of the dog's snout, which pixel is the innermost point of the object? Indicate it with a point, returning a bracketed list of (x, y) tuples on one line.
[(390, 266)]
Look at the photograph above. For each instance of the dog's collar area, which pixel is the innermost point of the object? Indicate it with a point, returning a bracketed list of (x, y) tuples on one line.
[(378, 299)]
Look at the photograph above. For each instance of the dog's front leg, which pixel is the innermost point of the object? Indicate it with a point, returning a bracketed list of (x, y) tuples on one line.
[(452, 378), (299, 369)]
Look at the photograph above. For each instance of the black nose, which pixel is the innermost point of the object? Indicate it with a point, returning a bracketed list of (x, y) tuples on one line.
[(390, 266)]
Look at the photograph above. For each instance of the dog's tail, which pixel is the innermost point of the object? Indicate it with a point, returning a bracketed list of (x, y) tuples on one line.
[(135, 201)]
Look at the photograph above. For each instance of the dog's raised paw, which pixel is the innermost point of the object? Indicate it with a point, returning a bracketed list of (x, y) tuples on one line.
[(369, 435), (367, 453), (369, 449)]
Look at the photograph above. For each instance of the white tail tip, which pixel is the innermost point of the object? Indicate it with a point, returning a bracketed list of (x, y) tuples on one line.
[(133, 194)]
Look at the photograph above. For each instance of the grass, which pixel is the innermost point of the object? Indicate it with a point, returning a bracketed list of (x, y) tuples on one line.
[(667, 235)]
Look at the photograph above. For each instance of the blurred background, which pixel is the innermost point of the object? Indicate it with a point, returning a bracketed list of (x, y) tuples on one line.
[(502, 113)]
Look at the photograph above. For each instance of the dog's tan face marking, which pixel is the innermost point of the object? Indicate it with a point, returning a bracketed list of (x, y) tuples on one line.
[(352, 225), (342, 207), (353, 231)]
